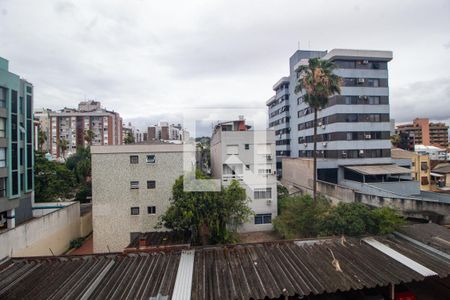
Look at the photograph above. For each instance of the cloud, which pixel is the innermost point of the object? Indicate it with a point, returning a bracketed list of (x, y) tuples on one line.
[(150, 60), (423, 99)]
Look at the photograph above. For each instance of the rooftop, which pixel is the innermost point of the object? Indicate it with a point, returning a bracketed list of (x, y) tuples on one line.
[(142, 148), (242, 271)]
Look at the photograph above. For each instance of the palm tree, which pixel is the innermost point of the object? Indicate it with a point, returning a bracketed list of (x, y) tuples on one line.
[(42, 138), (317, 82), (63, 145), (89, 136)]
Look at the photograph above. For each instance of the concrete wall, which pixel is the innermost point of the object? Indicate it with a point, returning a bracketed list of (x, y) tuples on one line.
[(36, 237), (86, 224), (112, 197)]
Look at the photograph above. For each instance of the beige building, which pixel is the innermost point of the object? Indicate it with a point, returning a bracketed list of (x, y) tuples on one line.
[(131, 188), (420, 165), (248, 156)]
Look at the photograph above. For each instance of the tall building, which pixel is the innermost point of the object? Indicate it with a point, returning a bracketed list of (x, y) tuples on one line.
[(167, 132), (423, 132), (354, 128), (16, 148), (248, 156), (142, 177), (72, 124)]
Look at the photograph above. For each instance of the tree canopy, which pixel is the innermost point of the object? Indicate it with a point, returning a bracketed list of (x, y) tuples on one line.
[(301, 217), (211, 217), (129, 139)]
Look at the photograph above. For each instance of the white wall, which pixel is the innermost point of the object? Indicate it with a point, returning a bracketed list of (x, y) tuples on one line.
[(36, 237)]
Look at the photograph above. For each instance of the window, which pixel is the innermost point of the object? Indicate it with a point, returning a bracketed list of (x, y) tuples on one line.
[(134, 185), (423, 166), (2, 157), (2, 127), (247, 167), (264, 171), (2, 97), (232, 149), (2, 187), (151, 210), (247, 146), (134, 159), (263, 193), (263, 218), (150, 158), (151, 184), (135, 211)]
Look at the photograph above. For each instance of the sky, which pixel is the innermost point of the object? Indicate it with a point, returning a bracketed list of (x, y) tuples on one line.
[(165, 60)]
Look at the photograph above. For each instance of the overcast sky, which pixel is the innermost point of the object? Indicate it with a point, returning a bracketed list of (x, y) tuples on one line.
[(152, 60)]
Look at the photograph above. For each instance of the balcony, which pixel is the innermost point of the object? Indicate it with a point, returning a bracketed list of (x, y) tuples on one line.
[(226, 178)]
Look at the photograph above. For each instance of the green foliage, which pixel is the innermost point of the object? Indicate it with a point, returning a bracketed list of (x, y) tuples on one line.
[(63, 145), (52, 180), (348, 219), (282, 194), (210, 216), (129, 139), (77, 243), (395, 140), (385, 220), (84, 192), (89, 136), (302, 217), (42, 138)]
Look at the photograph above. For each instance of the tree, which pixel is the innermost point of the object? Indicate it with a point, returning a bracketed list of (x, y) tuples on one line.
[(89, 136), (63, 145), (42, 138), (129, 139), (52, 180), (349, 219), (395, 140), (209, 216), (318, 82), (301, 216)]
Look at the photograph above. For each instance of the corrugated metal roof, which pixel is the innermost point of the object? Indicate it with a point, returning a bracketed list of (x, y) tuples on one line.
[(421, 269), (285, 268), (243, 271), (183, 282), (379, 169)]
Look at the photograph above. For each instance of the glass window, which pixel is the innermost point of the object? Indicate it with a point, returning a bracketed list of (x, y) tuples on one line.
[(263, 193), (263, 218), (134, 184), (2, 157), (247, 146), (135, 211), (2, 127), (151, 184), (134, 159), (151, 210), (2, 97), (150, 159)]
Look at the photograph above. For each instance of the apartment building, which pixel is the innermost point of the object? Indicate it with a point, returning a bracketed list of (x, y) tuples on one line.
[(354, 128), (164, 131), (248, 156), (435, 153), (72, 124), (131, 188), (16, 148), (419, 164), (422, 132)]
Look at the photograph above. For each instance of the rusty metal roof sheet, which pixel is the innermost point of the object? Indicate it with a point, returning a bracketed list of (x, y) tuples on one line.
[(242, 271), (379, 169)]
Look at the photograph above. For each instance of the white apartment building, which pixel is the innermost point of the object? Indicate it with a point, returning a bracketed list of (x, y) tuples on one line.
[(434, 152), (248, 156), (131, 188)]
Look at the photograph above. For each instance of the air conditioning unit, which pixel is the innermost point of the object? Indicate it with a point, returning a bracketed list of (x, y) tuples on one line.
[(320, 123), (306, 145), (269, 157), (344, 154), (361, 153), (361, 80), (363, 97), (365, 62), (324, 144), (323, 126), (368, 136), (269, 202)]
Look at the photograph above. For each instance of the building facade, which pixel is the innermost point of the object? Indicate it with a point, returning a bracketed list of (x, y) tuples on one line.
[(248, 156), (72, 125), (131, 188), (164, 131), (16, 148), (419, 163), (354, 129), (423, 132)]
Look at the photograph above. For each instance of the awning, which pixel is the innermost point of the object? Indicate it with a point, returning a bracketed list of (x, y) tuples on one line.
[(436, 174), (379, 169)]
